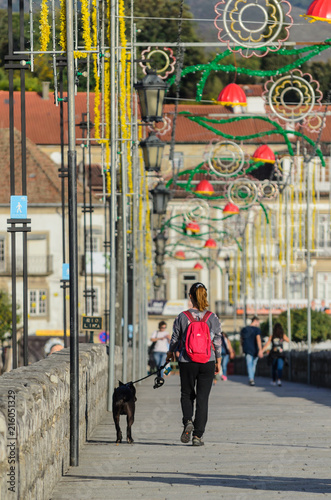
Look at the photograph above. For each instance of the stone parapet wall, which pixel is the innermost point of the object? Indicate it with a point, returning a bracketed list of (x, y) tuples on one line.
[(40, 394), (320, 368)]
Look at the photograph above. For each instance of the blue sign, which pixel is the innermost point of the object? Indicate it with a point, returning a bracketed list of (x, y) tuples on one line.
[(65, 272), (103, 337), (18, 207)]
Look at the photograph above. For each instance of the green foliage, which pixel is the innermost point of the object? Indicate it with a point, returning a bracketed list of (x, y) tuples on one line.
[(320, 325), (6, 327)]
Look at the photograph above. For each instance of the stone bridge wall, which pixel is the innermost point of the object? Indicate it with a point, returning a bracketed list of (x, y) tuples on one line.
[(40, 395)]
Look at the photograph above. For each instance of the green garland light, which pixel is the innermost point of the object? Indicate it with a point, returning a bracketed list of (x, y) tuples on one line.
[(214, 65)]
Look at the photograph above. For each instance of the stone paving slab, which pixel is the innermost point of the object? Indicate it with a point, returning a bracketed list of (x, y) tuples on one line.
[(261, 442)]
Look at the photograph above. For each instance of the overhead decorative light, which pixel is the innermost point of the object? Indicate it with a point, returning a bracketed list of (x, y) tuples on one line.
[(151, 91), (204, 187), (232, 95), (152, 149), (198, 266), (180, 254), (210, 243), (193, 227), (319, 10), (230, 209), (265, 154), (161, 196)]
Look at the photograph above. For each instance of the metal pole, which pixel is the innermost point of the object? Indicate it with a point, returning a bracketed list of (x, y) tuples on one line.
[(73, 247), (24, 192), (125, 263), (269, 275), (254, 269), (235, 290), (244, 278), (288, 257), (63, 176), (308, 271), (112, 204)]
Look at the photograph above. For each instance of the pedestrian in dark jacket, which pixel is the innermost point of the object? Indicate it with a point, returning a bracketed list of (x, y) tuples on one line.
[(196, 378), (252, 347)]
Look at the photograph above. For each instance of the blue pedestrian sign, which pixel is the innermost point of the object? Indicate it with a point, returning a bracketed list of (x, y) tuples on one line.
[(18, 207), (65, 272)]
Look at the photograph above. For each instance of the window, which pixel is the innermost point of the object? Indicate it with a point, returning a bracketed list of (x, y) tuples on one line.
[(324, 286), (95, 243), (37, 302), (178, 162), (323, 231), (96, 304), (297, 285), (186, 281)]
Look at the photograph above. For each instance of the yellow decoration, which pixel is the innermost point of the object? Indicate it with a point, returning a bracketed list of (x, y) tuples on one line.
[(292, 224), (63, 25), (43, 297), (280, 231), (95, 72), (300, 204), (313, 194), (86, 24), (45, 30), (248, 269), (33, 304)]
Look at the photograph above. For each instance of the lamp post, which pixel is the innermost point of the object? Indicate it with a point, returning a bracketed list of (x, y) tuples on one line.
[(152, 149), (161, 197), (151, 91)]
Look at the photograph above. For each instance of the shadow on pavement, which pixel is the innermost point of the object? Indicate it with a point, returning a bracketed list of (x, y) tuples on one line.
[(268, 483), (320, 395)]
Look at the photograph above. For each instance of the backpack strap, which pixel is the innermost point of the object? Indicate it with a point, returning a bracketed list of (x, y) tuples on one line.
[(206, 316), (189, 316)]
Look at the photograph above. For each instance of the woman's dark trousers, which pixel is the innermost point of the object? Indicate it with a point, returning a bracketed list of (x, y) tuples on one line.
[(196, 381)]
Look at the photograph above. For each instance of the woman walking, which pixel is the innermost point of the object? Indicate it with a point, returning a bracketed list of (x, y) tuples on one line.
[(197, 336), (276, 354)]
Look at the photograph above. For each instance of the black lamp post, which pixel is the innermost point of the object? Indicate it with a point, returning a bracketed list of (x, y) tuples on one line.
[(152, 152), (151, 91), (160, 243), (159, 271), (161, 196), (159, 259), (227, 264)]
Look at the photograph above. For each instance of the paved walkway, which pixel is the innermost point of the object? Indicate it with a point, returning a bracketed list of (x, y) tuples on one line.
[(261, 442)]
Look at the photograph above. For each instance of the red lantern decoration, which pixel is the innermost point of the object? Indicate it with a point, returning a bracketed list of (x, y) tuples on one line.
[(180, 254), (319, 10), (204, 187), (210, 243), (198, 266), (193, 227), (230, 209), (265, 154), (232, 95)]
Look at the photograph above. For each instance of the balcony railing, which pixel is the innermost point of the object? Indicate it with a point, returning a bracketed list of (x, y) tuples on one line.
[(38, 265)]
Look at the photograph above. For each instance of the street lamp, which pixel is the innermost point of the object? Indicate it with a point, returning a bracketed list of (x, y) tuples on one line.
[(159, 271), (159, 259), (151, 91), (152, 148), (160, 243), (161, 196)]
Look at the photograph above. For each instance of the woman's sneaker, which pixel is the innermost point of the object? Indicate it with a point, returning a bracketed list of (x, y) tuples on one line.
[(186, 434), (196, 441)]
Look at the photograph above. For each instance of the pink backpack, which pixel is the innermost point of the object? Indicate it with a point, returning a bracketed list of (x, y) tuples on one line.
[(198, 341)]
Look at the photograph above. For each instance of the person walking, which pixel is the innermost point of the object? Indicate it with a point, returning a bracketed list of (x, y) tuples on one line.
[(276, 354), (227, 354), (161, 338), (252, 347), (197, 336)]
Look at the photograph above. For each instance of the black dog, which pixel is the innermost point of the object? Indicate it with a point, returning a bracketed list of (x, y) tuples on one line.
[(124, 399)]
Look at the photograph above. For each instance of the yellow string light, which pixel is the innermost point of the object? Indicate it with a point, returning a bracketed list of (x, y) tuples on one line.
[(86, 25), (95, 72), (280, 231), (300, 204), (45, 30), (63, 25), (107, 107), (292, 224), (313, 194)]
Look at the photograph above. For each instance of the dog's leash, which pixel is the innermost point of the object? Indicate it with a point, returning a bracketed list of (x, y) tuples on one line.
[(158, 381)]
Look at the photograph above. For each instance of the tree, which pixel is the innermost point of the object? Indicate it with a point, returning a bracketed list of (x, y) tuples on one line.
[(6, 318), (320, 325)]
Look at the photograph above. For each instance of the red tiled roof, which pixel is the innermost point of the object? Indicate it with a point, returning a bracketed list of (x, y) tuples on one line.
[(43, 120), (43, 182)]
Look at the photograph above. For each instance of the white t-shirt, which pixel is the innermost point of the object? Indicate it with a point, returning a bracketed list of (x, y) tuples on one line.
[(162, 344)]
